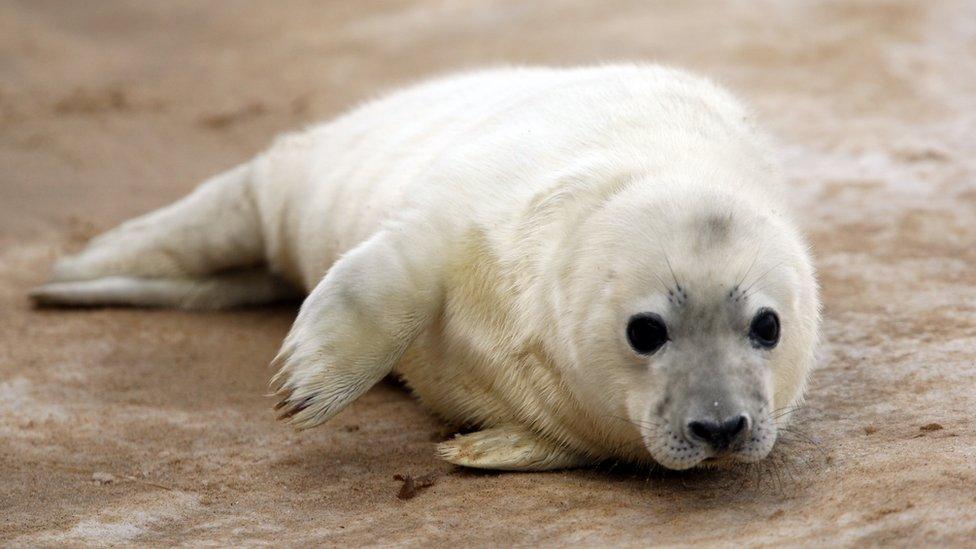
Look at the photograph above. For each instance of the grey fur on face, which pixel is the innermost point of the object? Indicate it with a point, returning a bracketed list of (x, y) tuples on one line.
[(715, 402)]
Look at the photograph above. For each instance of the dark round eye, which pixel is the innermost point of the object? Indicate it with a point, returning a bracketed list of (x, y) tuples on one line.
[(646, 333), (764, 330)]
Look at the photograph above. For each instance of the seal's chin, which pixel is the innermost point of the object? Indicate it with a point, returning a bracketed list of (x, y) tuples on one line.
[(704, 459)]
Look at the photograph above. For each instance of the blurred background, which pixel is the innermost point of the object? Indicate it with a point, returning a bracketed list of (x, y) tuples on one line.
[(123, 426)]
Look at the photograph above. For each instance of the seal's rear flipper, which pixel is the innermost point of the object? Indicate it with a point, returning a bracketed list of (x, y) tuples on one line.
[(214, 229), (508, 448), (355, 325), (231, 289)]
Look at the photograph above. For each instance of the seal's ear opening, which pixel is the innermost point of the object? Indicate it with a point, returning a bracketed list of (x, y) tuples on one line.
[(508, 448)]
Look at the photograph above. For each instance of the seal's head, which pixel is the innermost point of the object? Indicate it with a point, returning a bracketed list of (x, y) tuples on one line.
[(694, 318)]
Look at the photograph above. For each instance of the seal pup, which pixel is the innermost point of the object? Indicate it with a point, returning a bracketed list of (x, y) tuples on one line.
[(583, 264)]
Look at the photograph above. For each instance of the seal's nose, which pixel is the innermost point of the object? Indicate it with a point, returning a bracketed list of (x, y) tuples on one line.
[(719, 435)]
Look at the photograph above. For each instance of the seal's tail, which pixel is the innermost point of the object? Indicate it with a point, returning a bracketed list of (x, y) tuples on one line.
[(182, 255)]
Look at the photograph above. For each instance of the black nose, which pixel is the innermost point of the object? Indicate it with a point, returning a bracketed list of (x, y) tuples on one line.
[(719, 435)]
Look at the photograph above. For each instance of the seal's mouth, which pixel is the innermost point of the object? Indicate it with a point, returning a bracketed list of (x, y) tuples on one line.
[(679, 449), (719, 462)]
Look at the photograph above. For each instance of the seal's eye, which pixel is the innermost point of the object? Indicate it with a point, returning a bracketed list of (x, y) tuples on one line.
[(646, 333), (764, 330)]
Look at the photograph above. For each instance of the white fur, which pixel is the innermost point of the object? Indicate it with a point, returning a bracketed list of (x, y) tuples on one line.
[(486, 236)]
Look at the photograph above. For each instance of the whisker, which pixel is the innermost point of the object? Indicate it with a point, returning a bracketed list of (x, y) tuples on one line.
[(655, 423), (803, 439), (745, 275), (780, 412), (664, 286), (783, 414), (762, 276), (670, 268), (755, 291)]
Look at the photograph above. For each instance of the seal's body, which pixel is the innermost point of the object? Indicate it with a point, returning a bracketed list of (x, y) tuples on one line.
[(582, 262)]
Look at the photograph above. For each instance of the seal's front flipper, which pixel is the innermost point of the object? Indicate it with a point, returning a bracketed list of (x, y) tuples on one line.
[(508, 448), (355, 325)]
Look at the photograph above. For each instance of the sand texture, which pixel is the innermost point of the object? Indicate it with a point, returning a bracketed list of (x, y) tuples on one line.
[(139, 426)]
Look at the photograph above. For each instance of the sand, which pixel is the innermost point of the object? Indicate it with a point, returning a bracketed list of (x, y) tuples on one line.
[(138, 426)]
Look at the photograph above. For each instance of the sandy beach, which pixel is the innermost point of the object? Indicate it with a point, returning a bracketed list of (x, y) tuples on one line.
[(127, 426)]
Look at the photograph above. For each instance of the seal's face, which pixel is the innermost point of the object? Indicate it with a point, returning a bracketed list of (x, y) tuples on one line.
[(710, 351), (702, 339)]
